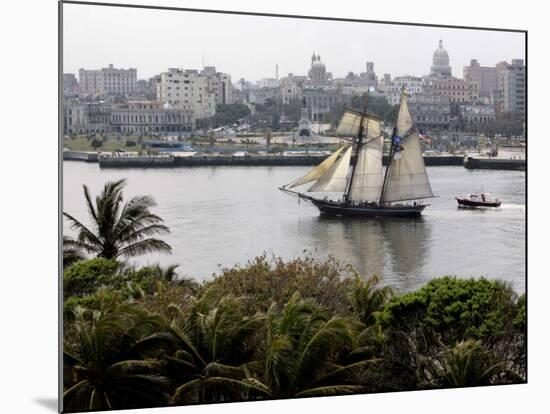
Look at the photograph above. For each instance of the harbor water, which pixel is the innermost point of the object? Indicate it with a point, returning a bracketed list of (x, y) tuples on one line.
[(222, 216)]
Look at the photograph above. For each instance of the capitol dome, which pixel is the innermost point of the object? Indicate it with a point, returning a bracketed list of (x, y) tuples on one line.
[(440, 62)]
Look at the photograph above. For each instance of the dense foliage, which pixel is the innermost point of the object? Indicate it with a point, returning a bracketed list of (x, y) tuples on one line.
[(228, 114), (278, 329)]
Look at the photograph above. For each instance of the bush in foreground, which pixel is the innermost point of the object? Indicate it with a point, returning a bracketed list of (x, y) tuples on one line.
[(280, 329)]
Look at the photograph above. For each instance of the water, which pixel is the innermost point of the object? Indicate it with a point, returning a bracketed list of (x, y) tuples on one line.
[(221, 216)]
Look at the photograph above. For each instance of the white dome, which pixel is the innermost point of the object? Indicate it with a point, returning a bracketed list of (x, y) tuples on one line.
[(440, 52), (440, 62)]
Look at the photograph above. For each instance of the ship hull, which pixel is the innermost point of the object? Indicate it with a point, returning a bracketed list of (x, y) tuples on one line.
[(339, 209), (464, 202)]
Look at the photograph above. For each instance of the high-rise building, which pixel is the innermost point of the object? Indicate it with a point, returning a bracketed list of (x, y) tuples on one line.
[(219, 84), (514, 87), (484, 76), (440, 63), (187, 89), (110, 81)]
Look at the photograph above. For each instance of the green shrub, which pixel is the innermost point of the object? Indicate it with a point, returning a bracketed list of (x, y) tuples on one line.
[(456, 309)]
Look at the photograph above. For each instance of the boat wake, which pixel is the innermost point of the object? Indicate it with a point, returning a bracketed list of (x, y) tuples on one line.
[(513, 207)]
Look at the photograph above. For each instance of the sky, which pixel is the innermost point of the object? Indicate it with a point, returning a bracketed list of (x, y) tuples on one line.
[(250, 47)]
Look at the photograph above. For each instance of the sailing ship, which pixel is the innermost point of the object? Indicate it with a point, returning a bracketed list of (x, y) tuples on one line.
[(356, 170)]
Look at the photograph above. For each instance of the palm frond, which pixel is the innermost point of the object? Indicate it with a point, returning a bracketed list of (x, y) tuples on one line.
[(332, 390)]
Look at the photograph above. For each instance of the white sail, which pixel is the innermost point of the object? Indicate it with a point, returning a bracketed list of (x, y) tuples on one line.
[(335, 179), (351, 121), (318, 171), (407, 179), (367, 179)]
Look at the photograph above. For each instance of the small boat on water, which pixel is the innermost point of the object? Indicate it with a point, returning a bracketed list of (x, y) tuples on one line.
[(355, 170), (478, 200)]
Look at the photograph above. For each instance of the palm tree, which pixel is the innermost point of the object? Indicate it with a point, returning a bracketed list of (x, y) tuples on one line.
[(105, 368), (71, 254), (469, 364), (118, 229), (304, 350), (215, 343), (367, 299)]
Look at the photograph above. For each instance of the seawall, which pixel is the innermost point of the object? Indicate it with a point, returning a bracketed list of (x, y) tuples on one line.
[(249, 160), (494, 164)]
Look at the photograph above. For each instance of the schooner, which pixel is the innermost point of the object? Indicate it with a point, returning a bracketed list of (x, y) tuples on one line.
[(356, 169)]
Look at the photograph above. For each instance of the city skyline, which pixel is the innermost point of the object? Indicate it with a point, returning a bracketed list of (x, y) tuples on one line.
[(153, 42)]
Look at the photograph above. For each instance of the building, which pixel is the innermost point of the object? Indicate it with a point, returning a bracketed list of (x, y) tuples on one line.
[(146, 89), (71, 88), (498, 96), (370, 75), (484, 76), (320, 101), (109, 81), (218, 84), (514, 87), (440, 63), (259, 96), (290, 89), (393, 88), (150, 117), (75, 117), (456, 90), (86, 117), (187, 89), (317, 74), (477, 113), (357, 84), (431, 112)]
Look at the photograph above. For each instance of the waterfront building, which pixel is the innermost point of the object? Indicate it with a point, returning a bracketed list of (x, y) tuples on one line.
[(71, 88), (187, 89), (86, 117), (514, 87), (440, 63), (109, 81), (141, 117), (74, 117)]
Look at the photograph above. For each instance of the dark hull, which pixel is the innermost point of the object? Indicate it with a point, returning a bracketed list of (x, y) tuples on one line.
[(339, 209), (469, 203)]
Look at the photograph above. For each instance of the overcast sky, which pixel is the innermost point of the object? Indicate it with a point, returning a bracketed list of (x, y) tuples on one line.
[(249, 47)]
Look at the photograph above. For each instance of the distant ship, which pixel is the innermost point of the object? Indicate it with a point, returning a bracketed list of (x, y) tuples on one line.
[(478, 200), (368, 190)]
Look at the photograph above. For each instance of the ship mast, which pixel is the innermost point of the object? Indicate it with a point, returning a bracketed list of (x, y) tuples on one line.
[(360, 143), (391, 153)]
